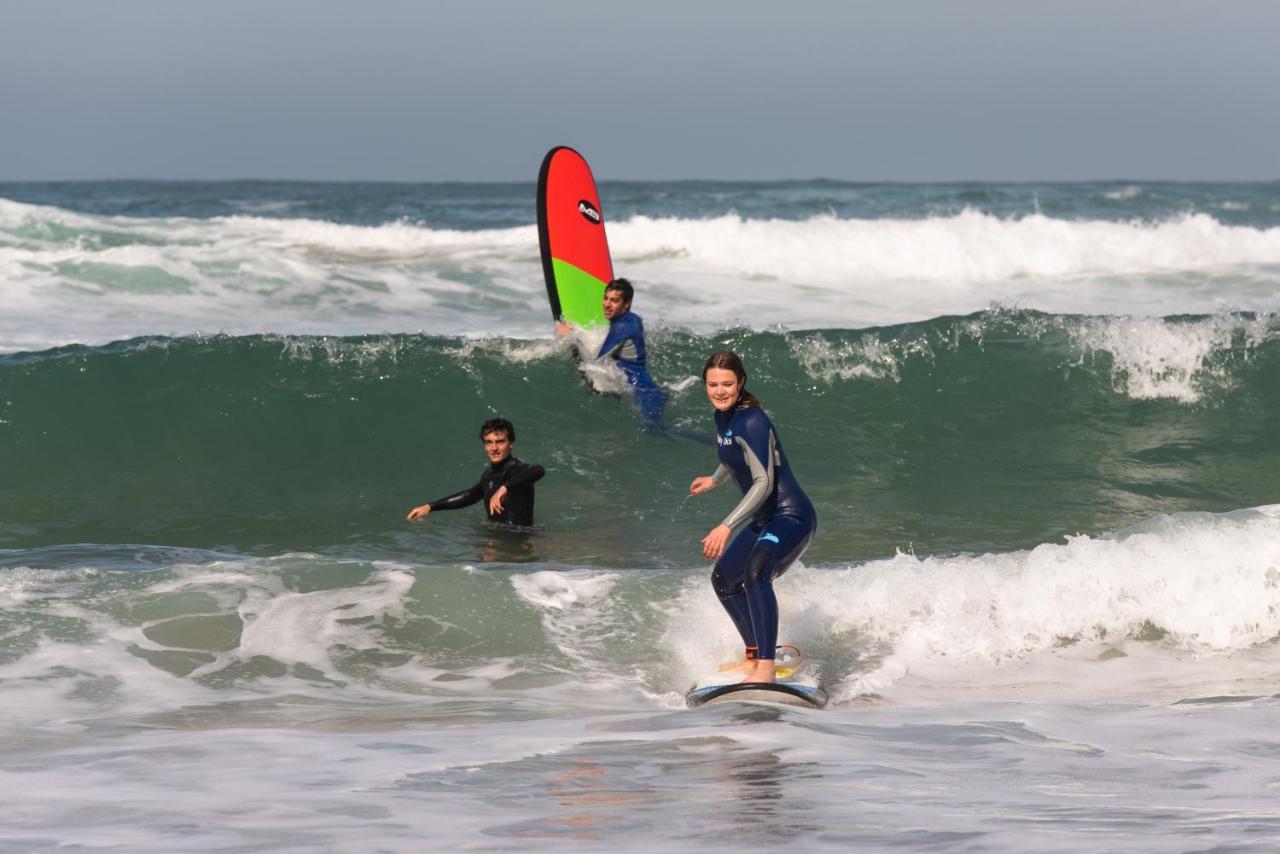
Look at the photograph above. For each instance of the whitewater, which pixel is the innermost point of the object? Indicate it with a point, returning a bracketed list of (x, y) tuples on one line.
[(77, 278)]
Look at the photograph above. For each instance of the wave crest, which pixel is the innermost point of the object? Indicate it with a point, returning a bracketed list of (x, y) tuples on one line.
[(71, 277)]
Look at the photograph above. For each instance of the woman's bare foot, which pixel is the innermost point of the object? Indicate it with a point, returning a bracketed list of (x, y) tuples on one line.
[(762, 673)]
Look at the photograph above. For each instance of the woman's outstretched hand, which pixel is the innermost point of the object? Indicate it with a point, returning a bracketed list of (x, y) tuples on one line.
[(701, 485)]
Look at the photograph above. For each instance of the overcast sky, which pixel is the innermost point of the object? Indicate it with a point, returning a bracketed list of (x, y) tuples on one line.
[(477, 90)]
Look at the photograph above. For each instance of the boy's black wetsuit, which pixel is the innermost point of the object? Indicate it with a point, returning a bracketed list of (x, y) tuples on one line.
[(517, 477)]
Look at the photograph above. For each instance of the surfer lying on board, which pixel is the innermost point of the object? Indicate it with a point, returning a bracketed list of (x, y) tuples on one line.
[(780, 519), (625, 345), (506, 485)]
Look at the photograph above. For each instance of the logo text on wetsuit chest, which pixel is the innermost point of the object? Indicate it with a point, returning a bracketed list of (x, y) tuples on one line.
[(724, 441)]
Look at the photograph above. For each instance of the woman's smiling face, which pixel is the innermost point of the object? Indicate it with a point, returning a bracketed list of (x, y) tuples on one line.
[(723, 388)]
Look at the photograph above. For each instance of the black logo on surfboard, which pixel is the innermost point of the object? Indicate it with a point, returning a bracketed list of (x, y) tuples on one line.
[(589, 211)]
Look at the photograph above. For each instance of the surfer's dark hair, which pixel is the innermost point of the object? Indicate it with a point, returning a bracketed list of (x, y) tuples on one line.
[(624, 288), (727, 360), (498, 425)]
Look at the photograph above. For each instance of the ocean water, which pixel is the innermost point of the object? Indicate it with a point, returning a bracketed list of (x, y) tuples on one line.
[(1037, 421)]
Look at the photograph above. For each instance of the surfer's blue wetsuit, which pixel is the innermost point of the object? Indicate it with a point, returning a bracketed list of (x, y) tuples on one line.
[(625, 345), (780, 521)]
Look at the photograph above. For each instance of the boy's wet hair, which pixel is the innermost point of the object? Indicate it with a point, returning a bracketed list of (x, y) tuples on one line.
[(498, 425)]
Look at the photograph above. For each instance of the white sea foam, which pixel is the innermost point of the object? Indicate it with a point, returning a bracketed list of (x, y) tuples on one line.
[(82, 652), (1130, 192), (578, 616), (1155, 358), (1182, 603), (868, 358), (304, 627), (1147, 357), (1193, 585), (72, 278), (1176, 606), (67, 277), (560, 591), (969, 247)]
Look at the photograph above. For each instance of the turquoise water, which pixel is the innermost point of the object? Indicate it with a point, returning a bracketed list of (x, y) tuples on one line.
[(1001, 430), (1036, 421)]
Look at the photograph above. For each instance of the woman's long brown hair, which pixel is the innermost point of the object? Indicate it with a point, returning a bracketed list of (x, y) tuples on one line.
[(727, 360)]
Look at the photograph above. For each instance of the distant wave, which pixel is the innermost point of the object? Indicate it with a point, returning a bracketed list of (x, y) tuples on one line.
[(1130, 192), (77, 278), (970, 247)]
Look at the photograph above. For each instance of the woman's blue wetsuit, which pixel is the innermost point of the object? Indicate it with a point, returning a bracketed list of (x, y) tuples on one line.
[(781, 525), (625, 344)]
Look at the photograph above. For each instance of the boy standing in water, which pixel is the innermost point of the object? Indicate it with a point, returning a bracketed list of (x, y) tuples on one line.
[(625, 345), (506, 485)]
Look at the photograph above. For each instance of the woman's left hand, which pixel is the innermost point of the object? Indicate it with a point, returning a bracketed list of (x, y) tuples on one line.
[(713, 543)]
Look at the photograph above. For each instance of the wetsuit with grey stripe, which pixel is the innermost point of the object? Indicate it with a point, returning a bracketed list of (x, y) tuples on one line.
[(625, 344), (779, 524)]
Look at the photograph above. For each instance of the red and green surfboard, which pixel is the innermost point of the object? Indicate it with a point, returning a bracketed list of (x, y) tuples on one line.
[(575, 252)]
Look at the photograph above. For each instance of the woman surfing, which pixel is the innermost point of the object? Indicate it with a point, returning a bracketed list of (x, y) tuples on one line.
[(778, 518)]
